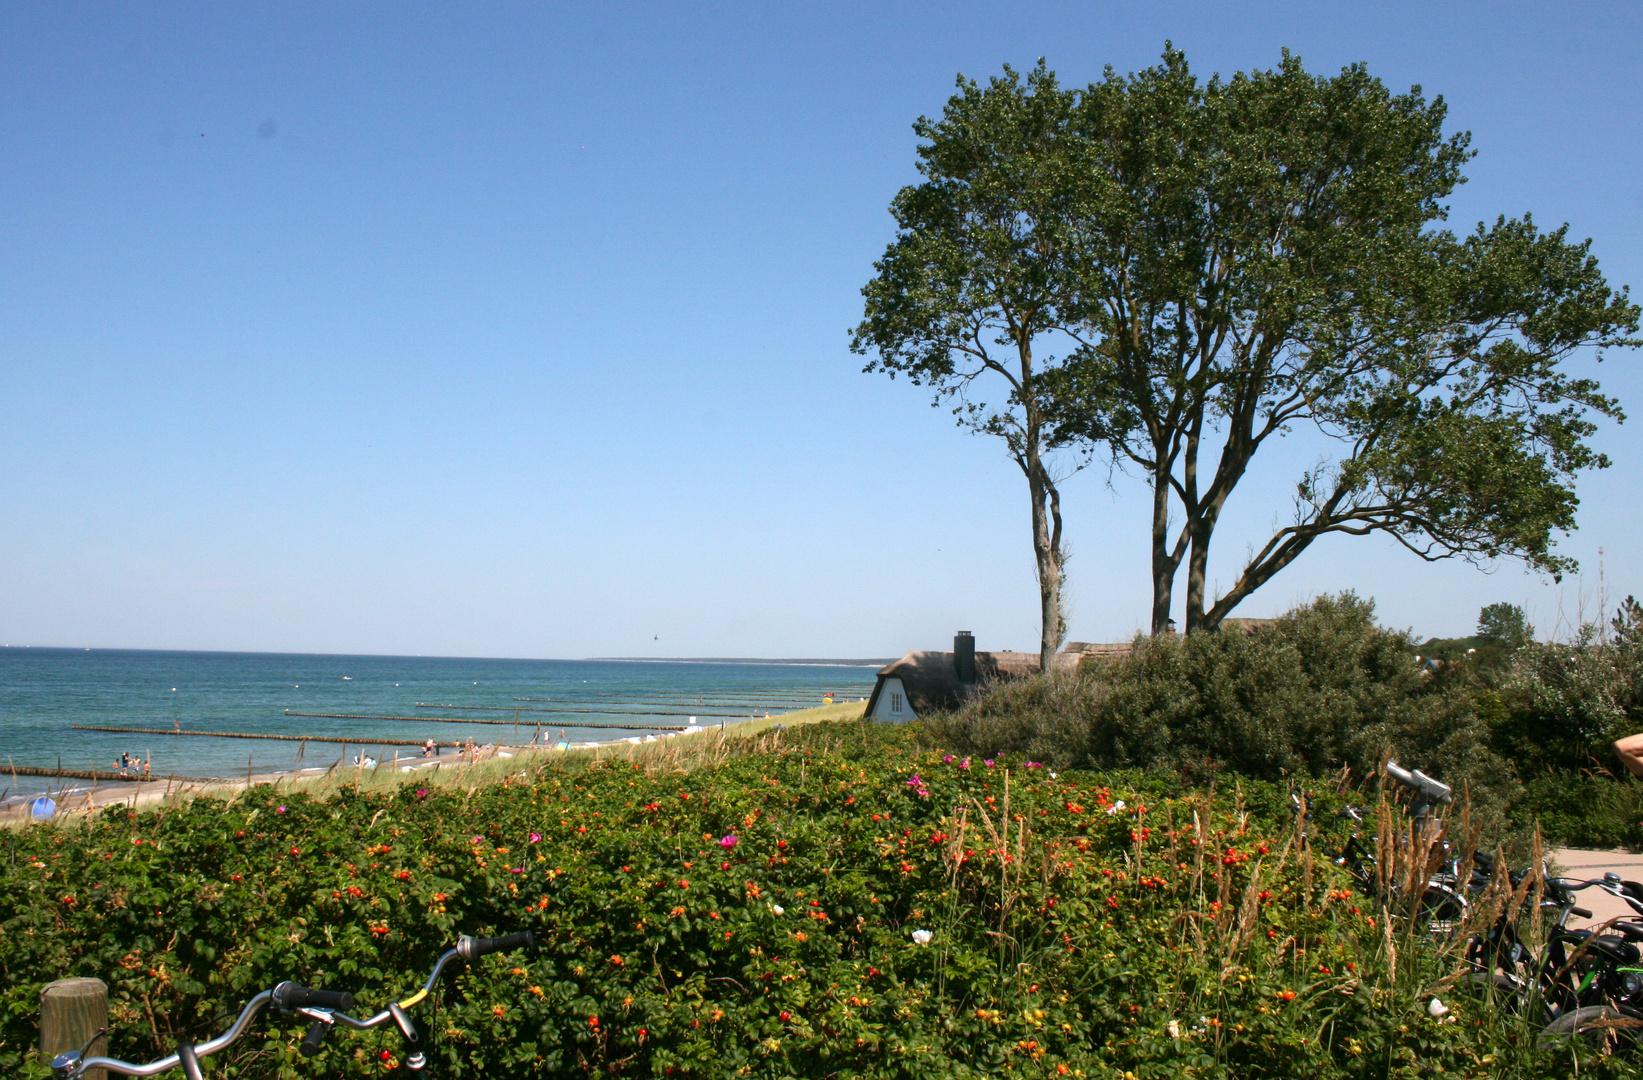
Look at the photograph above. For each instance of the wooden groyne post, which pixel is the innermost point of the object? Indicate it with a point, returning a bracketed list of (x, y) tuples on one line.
[(352, 739), (81, 774), (72, 1011), (504, 723)]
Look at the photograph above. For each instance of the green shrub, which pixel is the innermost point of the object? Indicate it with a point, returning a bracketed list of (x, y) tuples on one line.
[(1555, 711), (1323, 689), (1584, 810), (1085, 925), (1568, 703)]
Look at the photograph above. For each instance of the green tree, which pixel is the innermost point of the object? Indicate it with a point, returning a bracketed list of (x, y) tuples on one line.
[(1506, 624), (1627, 624), (1262, 254), (974, 290)]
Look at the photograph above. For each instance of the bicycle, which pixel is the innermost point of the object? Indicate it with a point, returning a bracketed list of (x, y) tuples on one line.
[(1595, 989), (1585, 984), (324, 1008), (1443, 903)]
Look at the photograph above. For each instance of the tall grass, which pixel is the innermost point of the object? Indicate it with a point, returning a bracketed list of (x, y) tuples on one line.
[(1259, 962)]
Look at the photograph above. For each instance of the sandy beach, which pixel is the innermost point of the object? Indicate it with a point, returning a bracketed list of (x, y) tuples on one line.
[(77, 798)]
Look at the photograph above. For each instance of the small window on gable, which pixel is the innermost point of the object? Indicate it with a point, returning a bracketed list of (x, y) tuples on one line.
[(895, 702)]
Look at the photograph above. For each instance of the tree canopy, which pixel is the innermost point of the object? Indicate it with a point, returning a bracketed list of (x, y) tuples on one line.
[(972, 293), (1262, 253), (1173, 273)]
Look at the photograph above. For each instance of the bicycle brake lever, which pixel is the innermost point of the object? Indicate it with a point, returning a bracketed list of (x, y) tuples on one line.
[(316, 1035)]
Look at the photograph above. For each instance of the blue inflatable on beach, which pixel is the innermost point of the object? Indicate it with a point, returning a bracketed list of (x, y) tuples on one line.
[(42, 808)]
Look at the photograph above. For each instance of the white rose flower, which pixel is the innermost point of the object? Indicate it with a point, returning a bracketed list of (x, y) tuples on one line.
[(1436, 1009), (1174, 1029), (922, 937), (778, 909)]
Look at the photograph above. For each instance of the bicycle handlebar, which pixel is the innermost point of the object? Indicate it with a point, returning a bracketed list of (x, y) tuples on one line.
[(323, 1006), (70, 1065)]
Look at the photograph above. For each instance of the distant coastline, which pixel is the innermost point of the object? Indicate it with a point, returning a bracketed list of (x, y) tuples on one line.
[(806, 662)]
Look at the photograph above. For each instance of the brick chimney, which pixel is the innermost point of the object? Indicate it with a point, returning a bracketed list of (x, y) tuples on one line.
[(964, 657)]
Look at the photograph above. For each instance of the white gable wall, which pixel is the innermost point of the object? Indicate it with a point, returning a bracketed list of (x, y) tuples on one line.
[(893, 704)]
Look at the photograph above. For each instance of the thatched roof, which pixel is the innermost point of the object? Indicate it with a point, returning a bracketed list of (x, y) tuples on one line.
[(1107, 648), (930, 679)]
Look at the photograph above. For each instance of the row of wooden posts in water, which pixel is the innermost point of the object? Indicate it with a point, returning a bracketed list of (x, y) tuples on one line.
[(142, 776)]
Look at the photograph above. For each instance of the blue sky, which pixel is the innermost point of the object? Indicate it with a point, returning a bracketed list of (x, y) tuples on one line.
[(520, 330)]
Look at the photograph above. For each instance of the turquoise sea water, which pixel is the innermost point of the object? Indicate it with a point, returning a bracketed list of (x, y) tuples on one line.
[(44, 692)]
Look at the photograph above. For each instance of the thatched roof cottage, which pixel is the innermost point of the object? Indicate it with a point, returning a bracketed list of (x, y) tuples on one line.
[(927, 681), (922, 682)]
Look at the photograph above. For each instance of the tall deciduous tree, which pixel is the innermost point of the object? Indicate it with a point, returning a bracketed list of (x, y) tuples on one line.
[(1261, 254), (971, 295)]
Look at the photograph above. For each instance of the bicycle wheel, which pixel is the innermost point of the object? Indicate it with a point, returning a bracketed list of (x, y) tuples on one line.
[(1504, 990), (1598, 1029)]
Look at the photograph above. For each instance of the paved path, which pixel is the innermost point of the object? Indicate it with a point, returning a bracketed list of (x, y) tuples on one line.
[(1578, 863)]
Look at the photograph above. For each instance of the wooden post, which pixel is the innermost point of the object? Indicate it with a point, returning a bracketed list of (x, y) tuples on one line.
[(71, 1011)]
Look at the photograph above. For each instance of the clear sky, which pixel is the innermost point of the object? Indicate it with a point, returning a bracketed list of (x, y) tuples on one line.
[(521, 330)]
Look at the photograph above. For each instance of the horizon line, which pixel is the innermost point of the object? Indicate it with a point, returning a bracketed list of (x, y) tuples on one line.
[(794, 661)]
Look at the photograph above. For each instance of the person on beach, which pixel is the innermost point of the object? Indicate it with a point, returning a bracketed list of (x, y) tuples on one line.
[(429, 749)]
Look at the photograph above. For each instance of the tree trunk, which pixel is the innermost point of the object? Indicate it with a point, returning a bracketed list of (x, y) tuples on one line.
[(1203, 516), (1197, 569), (1163, 566), (1046, 511)]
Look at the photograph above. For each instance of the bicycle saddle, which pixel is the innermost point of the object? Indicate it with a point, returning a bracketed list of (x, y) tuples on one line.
[(1609, 946)]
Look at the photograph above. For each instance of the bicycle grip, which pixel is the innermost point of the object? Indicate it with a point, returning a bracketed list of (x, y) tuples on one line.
[(316, 1035), (290, 995), (471, 948), (1580, 913)]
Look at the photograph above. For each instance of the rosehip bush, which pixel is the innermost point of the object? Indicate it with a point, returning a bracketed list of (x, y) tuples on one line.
[(841, 903)]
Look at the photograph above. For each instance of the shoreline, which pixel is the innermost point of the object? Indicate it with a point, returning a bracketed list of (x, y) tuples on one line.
[(74, 801)]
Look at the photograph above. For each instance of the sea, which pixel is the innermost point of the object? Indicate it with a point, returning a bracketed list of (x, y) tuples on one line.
[(48, 697)]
